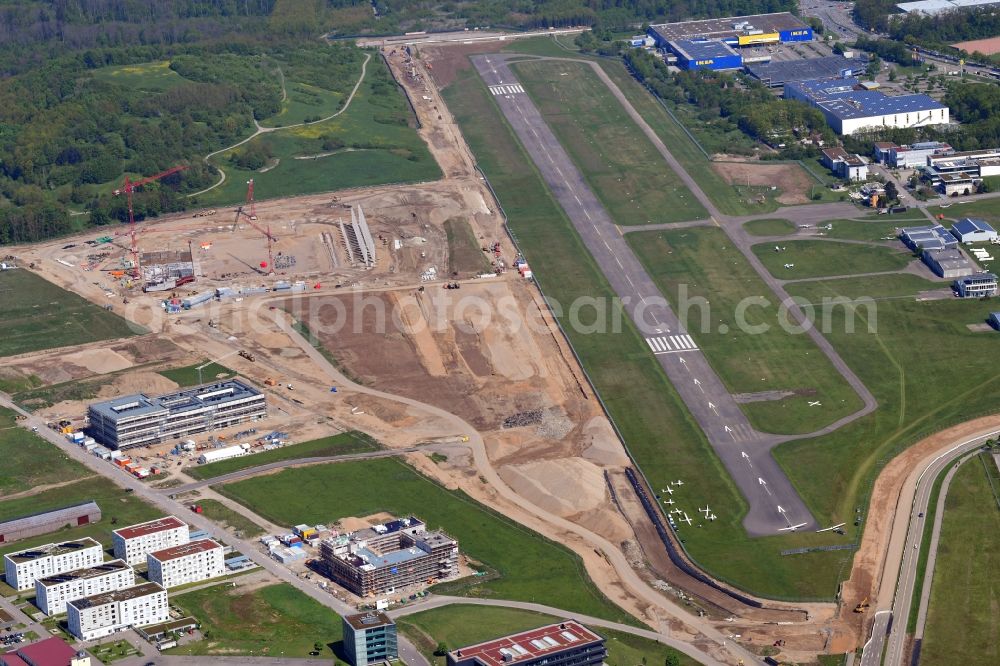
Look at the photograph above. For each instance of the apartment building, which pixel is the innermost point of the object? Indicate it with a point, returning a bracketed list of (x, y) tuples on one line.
[(187, 563), (52, 592), (140, 420), (133, 543), (389, 556), (24, 567), (104, 614)]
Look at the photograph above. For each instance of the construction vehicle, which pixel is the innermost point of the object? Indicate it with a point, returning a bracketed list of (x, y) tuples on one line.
[(270, 382), (861, 607), (247, 355)]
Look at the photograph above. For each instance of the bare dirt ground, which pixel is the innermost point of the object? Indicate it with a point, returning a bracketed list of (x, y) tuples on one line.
[(790, 179), (984, 46)]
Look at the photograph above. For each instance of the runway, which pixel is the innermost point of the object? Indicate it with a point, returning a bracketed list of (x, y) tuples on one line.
[(774, 505)]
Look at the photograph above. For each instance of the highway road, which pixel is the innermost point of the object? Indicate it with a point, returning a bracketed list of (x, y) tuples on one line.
[(894, 602), (774, 504)]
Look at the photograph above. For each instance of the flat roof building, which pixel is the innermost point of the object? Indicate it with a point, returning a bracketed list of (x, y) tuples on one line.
[(848, 108), (385, 557), (737, 30), (950, 263), (24, 567), (52, 592), (845, 165), (979, 285), (933, 7), (44, 522), (971, 230), (915, 155), (567, 643), (370, 638), (187, 563), (779, 72), (139, 420), (705, 54), (133, 543), (927, 237), (105, 614), (994, 320)]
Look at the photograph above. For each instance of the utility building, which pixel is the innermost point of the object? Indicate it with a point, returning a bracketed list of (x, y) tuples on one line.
[(24, 567), (948, 263), (133, 543), (384, 557), (187, 563), (568, 643), (139, 420), (370, 638), (44, 522), (105, 614), (52, 592)]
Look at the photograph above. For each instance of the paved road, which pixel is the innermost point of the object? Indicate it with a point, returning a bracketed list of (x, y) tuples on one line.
[(282, 464), (743, 450), (438, 601), (889, 627), (170, 506)]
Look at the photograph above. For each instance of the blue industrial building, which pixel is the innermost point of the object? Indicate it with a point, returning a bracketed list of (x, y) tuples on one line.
[(705, 54), (756, 30)]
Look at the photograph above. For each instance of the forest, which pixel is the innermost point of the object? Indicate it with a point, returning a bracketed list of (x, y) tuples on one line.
[(937, 30)]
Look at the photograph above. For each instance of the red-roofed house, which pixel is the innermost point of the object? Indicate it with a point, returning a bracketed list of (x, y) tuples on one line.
[(564, 644), (49, 652)]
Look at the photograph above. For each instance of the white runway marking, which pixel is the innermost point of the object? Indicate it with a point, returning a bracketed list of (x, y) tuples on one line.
[(671, 344), (506, 90)]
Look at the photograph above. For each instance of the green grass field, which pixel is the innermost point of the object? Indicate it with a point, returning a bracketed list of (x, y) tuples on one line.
[(379, 146), (118, 508), (30, 461), (40, 315), (46, 396), (695, 264), (218, 512), (657, 428), (153, 76), (335, 445), (530, 567), (460, 625), (273, 621), (8, 417), (623, 168), (817, 258), (870, 229), (188, 375), (465, 253), (770, 227), (834, 473), (962, 624), (987, 209), (304, 102)]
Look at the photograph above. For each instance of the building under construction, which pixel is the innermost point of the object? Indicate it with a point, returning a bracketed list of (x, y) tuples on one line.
[(382, 558), (358, 239), (162, 271)]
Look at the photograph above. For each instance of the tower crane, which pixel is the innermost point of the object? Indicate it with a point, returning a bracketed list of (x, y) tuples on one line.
[(250, 201), (128, 188), (268, 267)]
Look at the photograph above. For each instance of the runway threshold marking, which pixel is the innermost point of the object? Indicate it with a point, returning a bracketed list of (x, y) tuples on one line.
[(506, 90), (671, 344)]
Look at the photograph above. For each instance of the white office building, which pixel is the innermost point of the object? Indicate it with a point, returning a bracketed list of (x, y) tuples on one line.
[(187, 563), (52, 592), (105, 614), (24, 567), (133, 543)]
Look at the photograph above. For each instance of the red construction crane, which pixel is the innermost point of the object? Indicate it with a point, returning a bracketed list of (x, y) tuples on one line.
[(250, 202), (128, 188), (267, 267)]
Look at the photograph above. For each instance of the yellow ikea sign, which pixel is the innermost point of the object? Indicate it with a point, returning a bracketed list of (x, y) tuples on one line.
[(767, 38)]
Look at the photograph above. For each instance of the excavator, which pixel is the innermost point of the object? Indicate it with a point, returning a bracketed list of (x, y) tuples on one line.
[(861, 607)]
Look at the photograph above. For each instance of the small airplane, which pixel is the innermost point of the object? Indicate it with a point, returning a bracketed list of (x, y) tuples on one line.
[(678, 482), (789, 265), (705, 511), (815, 403), (712, 517), (676, 511), (686, 519), (668, 490), (668, 502), (777, 249)]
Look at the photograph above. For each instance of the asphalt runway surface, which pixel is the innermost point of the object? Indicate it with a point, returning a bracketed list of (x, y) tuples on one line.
[(774, 505)]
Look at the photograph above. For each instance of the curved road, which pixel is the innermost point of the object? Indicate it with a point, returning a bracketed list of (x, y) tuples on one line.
[(896, 594)]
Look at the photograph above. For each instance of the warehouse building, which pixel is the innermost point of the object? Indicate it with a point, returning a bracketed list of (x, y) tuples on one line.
[(44, 522), (139, 420), (974, 230), (949, 263), (995, 320), (133, 543), (705, 54), (777, 73), (225, 453), (849, 108), (753, 30), (105, 614), (24, 567), (52, 592), (928, 237), (980, 285), (187, 563), (567, 643), (384, 557), (932, 7), (370, 638)]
